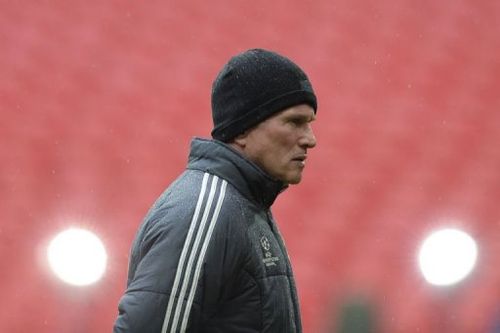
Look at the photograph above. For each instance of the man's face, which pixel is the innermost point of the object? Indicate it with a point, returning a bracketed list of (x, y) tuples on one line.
[(279, 144)]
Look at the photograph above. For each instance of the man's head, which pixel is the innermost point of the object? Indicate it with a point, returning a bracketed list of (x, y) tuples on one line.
[(280, 143), (253, 97)]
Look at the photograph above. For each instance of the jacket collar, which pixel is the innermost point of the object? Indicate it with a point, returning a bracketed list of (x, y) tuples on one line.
[(218, 158)]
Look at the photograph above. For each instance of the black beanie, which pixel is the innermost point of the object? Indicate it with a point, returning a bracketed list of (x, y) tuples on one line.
[(253, 86)]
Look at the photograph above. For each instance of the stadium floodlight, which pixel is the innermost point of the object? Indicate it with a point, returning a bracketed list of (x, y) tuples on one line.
[(447, 256), (77, 257)]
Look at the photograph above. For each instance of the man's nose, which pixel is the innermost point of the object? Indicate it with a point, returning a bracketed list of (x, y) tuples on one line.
[(308, 140)]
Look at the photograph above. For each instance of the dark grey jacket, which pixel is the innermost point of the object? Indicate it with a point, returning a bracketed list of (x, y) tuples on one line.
[(208, 256)]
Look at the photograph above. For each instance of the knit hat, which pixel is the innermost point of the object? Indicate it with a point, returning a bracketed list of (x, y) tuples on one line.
[(253, 86)]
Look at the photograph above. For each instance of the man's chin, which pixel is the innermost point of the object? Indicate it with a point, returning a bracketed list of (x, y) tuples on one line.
[(294, 180)]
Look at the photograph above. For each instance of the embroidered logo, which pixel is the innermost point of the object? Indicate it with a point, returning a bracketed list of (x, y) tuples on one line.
[(269, 259), (265, 243)]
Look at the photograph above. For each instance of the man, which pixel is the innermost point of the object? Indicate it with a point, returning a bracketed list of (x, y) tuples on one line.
[(208, 256)]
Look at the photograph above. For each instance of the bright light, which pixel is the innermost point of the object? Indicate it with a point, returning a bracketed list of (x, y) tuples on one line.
[(447, 256), (77, 257)]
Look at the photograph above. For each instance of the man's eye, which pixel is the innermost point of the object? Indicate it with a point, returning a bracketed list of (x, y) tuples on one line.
[(296, 122)]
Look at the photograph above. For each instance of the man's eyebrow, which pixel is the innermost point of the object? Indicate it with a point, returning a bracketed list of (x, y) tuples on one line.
[(309, 118), (302, 116)]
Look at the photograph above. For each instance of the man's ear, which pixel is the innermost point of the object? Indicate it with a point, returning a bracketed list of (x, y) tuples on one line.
[(241, 140)]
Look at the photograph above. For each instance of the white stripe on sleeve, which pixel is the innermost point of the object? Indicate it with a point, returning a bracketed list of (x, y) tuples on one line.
[(187, 274)]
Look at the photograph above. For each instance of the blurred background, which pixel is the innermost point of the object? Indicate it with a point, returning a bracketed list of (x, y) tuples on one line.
[(99, 101)]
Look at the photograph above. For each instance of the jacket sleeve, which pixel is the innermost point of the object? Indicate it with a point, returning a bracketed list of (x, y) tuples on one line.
[(178, 269), (152, 270), (220, 282)]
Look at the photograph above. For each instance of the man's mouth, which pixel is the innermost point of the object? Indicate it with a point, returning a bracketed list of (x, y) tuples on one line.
[(301, 159)]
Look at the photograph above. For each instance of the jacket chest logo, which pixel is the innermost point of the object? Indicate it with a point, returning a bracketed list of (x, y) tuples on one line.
[(269, 258)]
